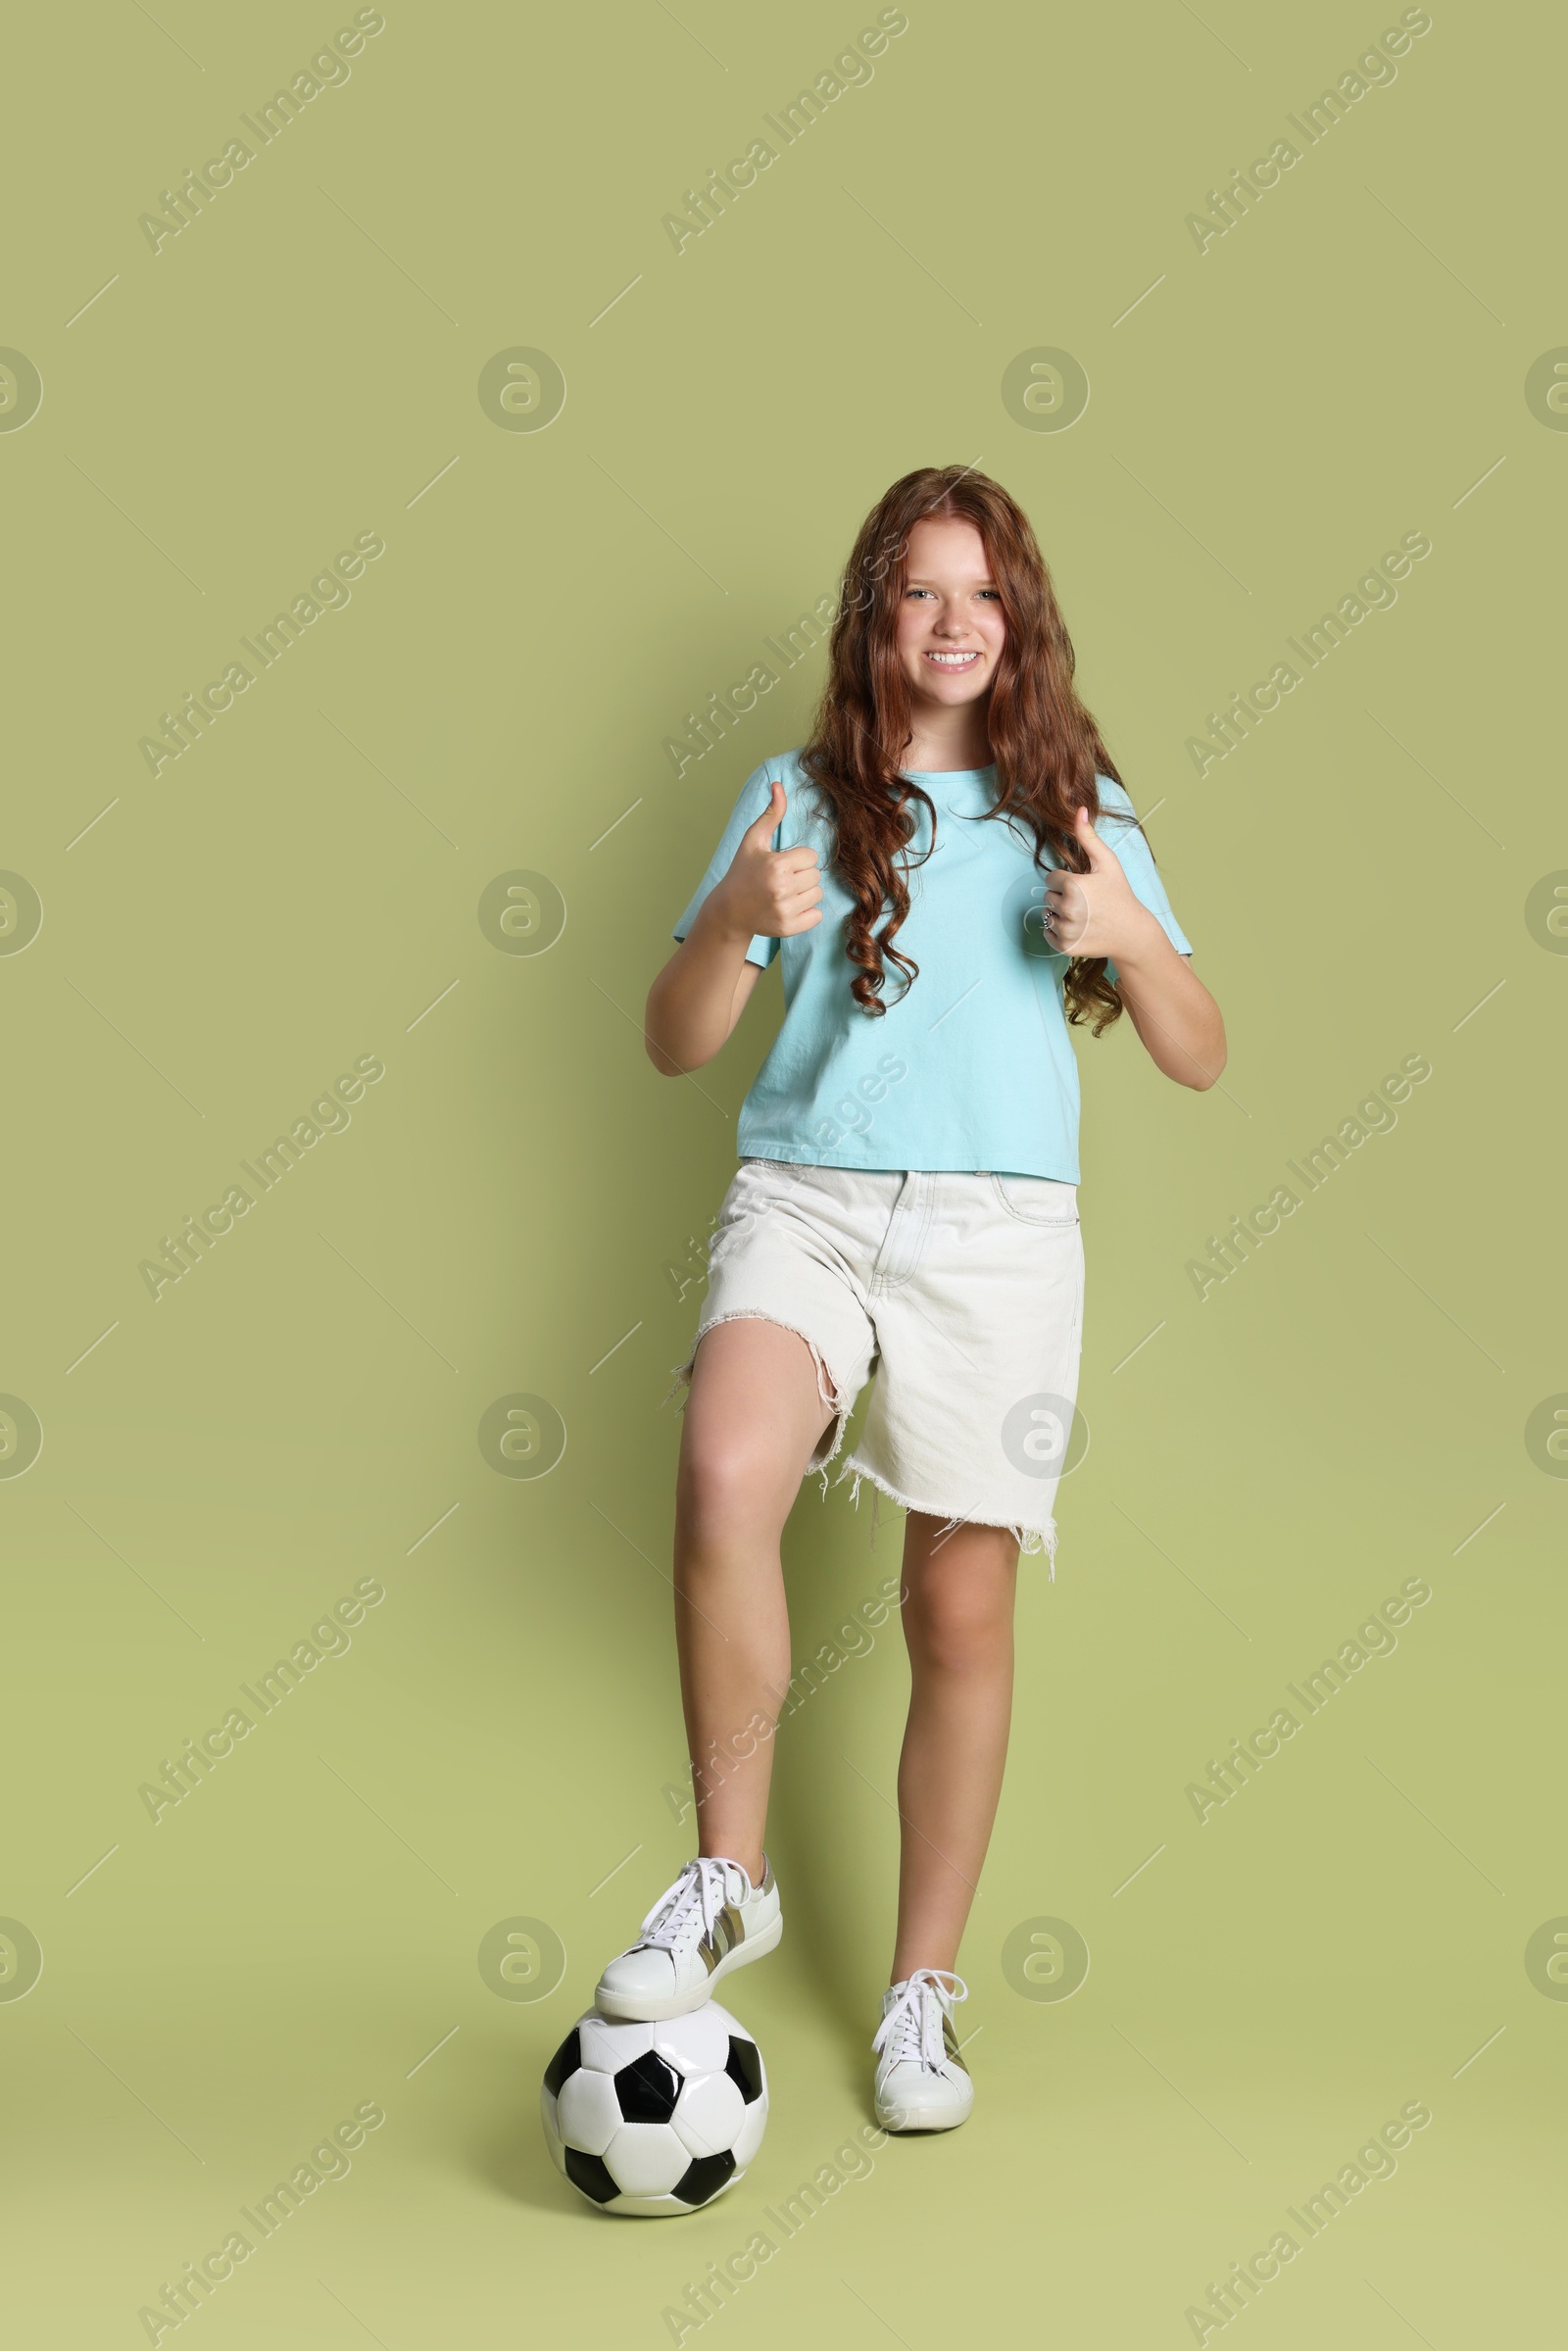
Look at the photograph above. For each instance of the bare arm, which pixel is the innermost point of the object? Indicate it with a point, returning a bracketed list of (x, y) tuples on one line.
[(1098, 913), (1177, 1019), (702, 992)]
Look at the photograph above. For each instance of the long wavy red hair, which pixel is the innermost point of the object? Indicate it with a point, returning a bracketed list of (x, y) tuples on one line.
[(1045, 746)]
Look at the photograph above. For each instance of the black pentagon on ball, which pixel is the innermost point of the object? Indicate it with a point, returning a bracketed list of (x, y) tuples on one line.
[(564, 2062), (744, 2065), (704, 2177), (646, 2092), (591, 2173)]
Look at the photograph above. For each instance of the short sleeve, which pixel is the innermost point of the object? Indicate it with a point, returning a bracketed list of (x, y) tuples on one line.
[(754, 798), (1117, 827)]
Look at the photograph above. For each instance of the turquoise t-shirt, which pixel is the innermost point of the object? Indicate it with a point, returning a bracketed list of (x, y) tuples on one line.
[(971, 1066)]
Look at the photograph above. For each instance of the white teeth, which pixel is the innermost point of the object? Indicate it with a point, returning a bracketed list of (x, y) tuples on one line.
[(953, 660)]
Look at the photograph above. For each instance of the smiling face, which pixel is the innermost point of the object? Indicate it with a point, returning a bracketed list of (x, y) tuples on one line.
[(950, 625)]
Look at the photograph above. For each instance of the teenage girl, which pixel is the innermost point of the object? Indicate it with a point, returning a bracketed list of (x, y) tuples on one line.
[(951, 873)]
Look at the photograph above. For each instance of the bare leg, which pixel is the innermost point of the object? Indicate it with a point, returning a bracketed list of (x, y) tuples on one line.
[(751, 1422), (957, 1628)]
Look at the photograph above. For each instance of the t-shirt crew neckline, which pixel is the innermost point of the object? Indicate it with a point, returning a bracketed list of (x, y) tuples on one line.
[(945, 776)]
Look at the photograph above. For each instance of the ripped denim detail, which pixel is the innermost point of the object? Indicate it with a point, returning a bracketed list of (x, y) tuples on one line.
[(1031, 1541), (825, 1386)]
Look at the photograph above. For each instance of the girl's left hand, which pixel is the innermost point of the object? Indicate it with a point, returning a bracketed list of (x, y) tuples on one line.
[(1093, 913)]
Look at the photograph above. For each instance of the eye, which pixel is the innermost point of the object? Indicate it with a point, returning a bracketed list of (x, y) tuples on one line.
[(994, 593), (917, 591)]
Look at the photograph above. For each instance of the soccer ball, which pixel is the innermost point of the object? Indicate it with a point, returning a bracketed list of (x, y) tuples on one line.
[(651, 2119)]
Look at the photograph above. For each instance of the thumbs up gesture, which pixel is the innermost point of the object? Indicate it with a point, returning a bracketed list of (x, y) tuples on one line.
[(1093, 913), (770, 893)]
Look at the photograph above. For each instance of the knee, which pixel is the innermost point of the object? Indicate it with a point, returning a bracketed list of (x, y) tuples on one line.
[(959, 1628), (729, 1488)]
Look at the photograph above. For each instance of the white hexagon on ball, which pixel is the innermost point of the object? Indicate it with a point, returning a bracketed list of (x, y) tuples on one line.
[(694, 2043), (709, 2114), (749, 2136), (586, 2113), (647, 2159)]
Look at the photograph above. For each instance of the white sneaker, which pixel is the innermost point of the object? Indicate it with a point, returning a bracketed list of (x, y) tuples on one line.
[(712, 1921), (922, 2083)]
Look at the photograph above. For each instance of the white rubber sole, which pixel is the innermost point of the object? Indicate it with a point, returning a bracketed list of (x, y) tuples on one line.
[(923, 2118), (626, 2008)]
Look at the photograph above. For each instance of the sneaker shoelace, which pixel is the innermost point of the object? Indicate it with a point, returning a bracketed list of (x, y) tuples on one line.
[(911, 2030), (691, 1907)]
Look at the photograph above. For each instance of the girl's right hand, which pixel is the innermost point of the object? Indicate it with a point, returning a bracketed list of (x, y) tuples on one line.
[(770, 893)]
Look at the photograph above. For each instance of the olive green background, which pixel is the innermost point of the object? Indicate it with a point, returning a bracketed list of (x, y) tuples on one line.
[(518, 1204)]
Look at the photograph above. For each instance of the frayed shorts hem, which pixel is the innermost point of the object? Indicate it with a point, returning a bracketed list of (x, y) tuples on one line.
[(958, 1295), (1030, 1538), (826, 1385), (1031, 1541)]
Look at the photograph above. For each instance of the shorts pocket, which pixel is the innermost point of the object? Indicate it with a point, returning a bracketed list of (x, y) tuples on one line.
[(756, 1189), (1037, 1199)]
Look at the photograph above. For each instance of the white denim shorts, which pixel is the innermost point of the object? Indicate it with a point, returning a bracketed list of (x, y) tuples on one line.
[(962, 1294)]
